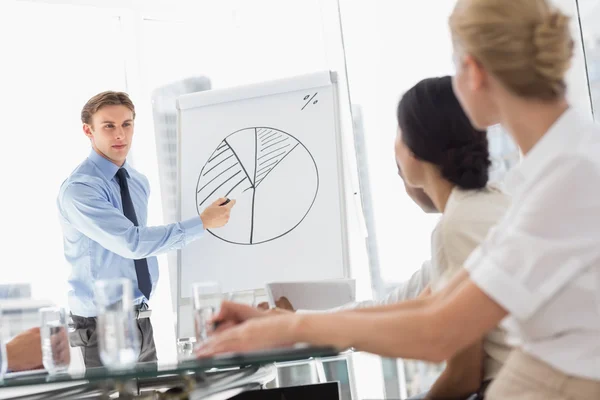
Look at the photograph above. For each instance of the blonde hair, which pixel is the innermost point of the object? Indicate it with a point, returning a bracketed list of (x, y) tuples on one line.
[(525, 44)]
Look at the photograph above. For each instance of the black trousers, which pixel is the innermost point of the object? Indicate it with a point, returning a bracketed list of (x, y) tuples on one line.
[(86, 338)]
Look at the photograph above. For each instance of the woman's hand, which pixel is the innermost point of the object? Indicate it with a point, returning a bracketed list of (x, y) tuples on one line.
[(426, 292), (254, 334), (232, 314)]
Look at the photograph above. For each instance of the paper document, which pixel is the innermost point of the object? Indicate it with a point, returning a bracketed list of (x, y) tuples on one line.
[(314, 295)]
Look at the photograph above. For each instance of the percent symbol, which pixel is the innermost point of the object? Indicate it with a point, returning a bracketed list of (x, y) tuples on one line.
[(308, 102)]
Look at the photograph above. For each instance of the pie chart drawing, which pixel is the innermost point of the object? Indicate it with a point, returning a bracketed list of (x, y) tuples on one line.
[(271, 175)]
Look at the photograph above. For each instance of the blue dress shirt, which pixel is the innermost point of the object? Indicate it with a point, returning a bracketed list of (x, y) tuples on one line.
[(100, 242)]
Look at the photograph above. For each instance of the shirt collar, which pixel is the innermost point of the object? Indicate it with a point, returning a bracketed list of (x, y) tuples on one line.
[(455, 193), (554, 141), (108, 168)]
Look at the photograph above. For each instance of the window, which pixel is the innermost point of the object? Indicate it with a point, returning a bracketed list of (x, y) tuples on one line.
[(589, 11), (59, 53), (390, 46), (57, 64)]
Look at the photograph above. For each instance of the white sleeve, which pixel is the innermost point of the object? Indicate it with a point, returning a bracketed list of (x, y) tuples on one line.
[(549, 236), (406, 290), (410, 288)]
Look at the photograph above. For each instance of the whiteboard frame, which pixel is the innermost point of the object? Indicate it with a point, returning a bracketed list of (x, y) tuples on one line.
[(217, 96)]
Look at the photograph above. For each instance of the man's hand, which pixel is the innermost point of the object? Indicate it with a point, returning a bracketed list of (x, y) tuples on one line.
[(24, 352), (216, 215)]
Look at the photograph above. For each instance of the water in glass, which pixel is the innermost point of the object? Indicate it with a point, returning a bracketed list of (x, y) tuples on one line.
[(116, 347), (116, 326), (55, 339)]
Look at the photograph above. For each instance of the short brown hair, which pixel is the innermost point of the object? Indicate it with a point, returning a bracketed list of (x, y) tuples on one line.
[(526, 44), (108, 98)]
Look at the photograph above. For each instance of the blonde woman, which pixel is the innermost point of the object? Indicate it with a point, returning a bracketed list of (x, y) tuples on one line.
[(538, 272)]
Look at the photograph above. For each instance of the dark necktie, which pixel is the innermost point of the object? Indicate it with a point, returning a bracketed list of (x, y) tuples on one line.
[(141, 266)]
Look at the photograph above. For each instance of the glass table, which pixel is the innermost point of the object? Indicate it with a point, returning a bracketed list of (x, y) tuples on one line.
[(145, 381), (188, 379)]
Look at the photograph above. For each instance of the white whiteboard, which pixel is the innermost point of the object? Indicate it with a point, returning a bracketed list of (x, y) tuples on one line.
[(275, 148)]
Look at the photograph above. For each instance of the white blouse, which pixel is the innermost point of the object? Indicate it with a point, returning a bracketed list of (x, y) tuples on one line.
[(542, 262)]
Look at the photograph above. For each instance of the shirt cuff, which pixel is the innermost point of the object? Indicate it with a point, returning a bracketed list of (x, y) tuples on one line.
[(192, 229), (500, 286), (312, 311)]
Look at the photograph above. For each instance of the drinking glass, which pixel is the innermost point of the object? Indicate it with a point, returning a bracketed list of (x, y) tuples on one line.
[(207, 297), (185, 347), (246, 297), (56, 355), (117, 331)]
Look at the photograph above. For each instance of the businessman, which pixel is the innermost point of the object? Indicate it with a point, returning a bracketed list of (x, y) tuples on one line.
[(103, 207)]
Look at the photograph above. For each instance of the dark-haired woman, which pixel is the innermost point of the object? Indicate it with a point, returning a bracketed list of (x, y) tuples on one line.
[(439, 151)]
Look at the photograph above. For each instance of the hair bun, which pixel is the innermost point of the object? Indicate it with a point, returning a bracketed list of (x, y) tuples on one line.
[(525, 44), (465, 164), (554, 49)]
